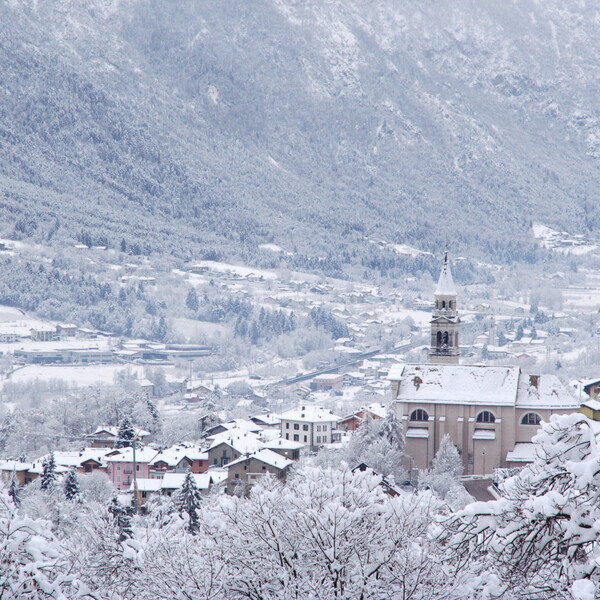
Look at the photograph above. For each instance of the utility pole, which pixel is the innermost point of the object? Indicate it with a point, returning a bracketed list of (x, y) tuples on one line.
[(136, 495)]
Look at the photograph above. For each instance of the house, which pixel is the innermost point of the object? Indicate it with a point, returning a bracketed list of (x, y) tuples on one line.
[(42, 333), (267, 421), (326, 381), (86, 460), (17, 469), (172, 482), (237, 425), (146, 387), (287, 448), (310, 425), (121, 465), (353, 421), (591, 387), (178, 459), (66, 329), (106, 437), (248, 469), (226, 447)]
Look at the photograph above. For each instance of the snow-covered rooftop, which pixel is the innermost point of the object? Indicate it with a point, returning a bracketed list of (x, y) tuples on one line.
[(523, 452), (174, 455), (266, 456), (456, 384), (310, 414), (544, 391)]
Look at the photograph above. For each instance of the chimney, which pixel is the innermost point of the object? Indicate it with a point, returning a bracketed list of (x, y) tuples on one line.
[(534, 380)]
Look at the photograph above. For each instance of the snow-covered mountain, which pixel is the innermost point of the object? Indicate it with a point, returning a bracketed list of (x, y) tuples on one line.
[(311, 124)]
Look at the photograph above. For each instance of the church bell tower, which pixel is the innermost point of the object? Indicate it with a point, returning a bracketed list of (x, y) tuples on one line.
[(445, 323)]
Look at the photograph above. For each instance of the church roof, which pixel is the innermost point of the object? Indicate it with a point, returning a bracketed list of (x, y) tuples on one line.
[(480, 385), (445, 286), (456, 384)]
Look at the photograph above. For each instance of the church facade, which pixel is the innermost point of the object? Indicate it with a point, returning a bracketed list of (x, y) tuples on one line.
[(490, 412)]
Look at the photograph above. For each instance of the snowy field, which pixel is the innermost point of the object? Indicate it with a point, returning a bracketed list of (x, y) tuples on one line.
[(76, 376)]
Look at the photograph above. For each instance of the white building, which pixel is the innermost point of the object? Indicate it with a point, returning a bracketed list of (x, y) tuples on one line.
[(310, 425)]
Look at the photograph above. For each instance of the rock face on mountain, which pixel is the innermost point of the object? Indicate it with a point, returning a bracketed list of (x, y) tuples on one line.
[(312, 124)]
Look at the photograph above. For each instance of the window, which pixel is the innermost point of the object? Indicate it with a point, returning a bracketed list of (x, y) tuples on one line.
[(450, 304), (215, 461), (118, 467), (419, 415), (324, 427), (486, 416), (305, 439), (443, 304), (137, 467), (530, 419), (296, 426), (287, 436), (304, 427), (287, 425), (296, 437), (237, 475), (318, 439), (438, 338), (318, 428)]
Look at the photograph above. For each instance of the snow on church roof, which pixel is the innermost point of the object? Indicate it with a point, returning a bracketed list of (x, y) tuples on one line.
[(456, 384), (544, 391), (445, 286)]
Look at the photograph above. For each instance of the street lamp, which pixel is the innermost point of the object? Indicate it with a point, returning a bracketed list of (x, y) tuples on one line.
[(483, 456)]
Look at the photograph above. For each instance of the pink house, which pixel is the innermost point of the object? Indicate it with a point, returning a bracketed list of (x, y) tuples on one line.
[(120, 466)]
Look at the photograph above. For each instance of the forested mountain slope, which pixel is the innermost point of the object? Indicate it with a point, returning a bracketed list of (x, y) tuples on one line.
[(207, 124)]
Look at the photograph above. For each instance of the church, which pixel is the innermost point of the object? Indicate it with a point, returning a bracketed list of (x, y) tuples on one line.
[(490, 412)]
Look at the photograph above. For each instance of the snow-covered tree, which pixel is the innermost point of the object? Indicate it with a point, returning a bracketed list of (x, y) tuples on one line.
[(48, 477), (442, 478), (188, 501), (71, 486), (379, 444), (192, 300), (121, 518), (540, 539), (126, 433), (14, 492), (33, 563), (392, 429), (447, 459)]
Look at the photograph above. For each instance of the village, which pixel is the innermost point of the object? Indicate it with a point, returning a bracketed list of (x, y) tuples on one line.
[(489, 411)]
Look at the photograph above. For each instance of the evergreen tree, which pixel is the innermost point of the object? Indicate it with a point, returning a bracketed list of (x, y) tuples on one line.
[(192, 300), (121, 518), (519, 334), (126, 433), (447, 459), (159, 331), (188, 501), (71, 486), (502, 341), (533, 333), (391, 428), (14, 492), (123, 245), (48, 478)]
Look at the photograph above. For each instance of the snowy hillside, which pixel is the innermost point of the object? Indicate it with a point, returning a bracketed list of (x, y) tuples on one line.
[(205, 126)]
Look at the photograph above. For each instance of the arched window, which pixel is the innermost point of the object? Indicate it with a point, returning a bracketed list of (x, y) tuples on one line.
[(439, 338), (443, 304), (485, 416), (450, 304), (530, 419), (419, 415), (445, 338)]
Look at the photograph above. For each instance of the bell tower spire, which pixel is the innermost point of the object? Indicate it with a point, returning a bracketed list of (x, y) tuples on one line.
[(445, 323)]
